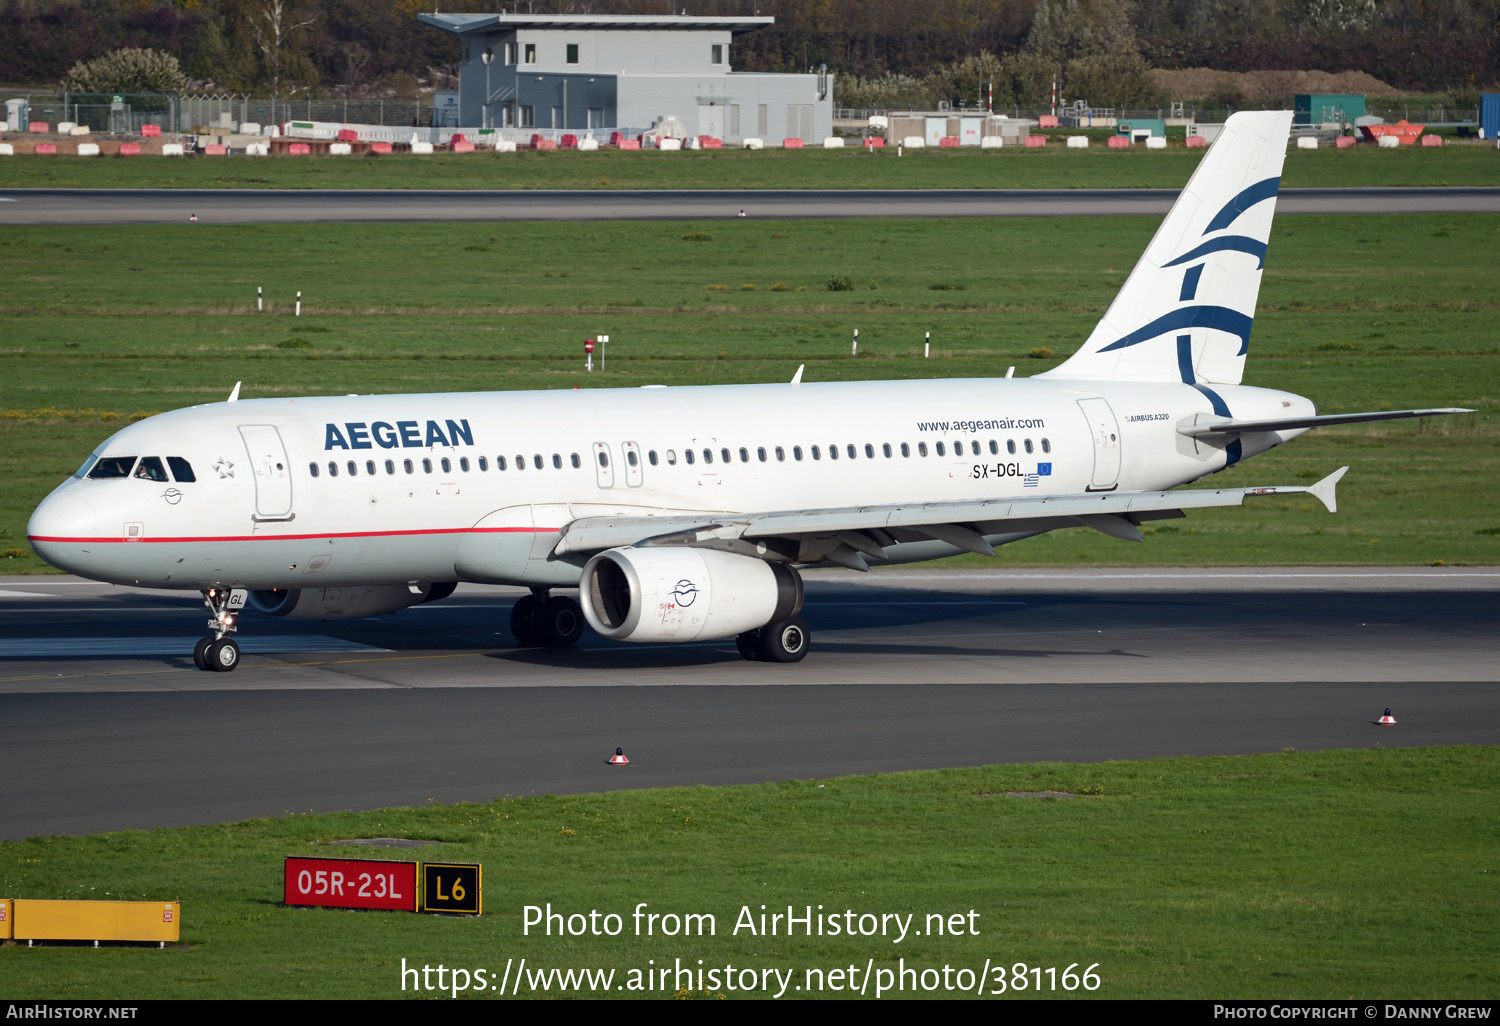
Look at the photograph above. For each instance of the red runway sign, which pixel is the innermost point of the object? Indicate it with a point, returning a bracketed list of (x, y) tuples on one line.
[(352, 883)]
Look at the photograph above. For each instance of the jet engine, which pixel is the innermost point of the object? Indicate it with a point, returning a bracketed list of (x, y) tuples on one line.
[(677, 593), (345, 603)]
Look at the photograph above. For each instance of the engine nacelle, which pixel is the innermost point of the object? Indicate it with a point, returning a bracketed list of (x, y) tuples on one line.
[(344, 603), (677, 593)]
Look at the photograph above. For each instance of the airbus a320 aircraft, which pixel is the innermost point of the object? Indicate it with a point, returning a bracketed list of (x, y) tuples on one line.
[(684, 514)]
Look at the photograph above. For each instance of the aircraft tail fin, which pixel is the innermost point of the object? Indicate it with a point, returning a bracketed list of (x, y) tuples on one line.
[(1185, 312)]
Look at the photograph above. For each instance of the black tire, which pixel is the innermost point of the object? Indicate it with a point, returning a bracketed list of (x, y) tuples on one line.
[(222, 655), (523, 620), (200, 653), (560, 622), (749, 645), (784, 642)]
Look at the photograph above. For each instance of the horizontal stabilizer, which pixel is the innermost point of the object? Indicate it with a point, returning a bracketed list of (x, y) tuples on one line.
[(1233, 426)]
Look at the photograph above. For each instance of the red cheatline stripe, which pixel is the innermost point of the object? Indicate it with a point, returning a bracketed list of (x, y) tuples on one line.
[(303, 537)]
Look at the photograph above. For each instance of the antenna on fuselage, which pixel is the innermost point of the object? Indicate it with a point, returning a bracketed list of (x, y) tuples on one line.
[(234, 395), (797, 378)]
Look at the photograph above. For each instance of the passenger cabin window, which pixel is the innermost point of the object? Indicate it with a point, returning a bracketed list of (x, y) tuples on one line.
[(708, 455), (463, 464), (817, 453), (577, 463), (181, 469), (557, 460), (1010, 446), (536, 460), (744, 455), (447, 465), (671, 457), (112, 466), (994, 447), (407, 465), (369, 466), (780, 454), (353, 469), (333, 469), (499, 462), (1046, 445), (312, 469), (1028, 445), (940, 450), (687, 455), (520, 462), (426, 466), (651, 456), (390, 466), (906, 450), (632, 458), (150, 469), (797, 453)]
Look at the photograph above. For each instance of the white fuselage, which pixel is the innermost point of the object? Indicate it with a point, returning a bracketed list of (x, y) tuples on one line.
[(327, 492)]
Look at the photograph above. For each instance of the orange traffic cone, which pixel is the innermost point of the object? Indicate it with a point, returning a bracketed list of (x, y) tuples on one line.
[(1387, 719), (618, 759)]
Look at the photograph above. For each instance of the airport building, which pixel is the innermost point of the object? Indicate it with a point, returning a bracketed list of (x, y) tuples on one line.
[(567, 73)]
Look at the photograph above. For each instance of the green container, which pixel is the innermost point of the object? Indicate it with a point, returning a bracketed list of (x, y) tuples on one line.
[(1157, 125), (1321, 108)]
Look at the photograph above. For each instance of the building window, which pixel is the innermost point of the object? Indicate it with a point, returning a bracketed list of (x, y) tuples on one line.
[(734, 121), (572, 53), (718, 53), (508, 114), (528, 116), (760, 120), (530, 53), (510, 52)]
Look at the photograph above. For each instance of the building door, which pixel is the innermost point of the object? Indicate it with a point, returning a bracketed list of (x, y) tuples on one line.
[(273, 477), (711, 120), (1106, 432), (936, 129)]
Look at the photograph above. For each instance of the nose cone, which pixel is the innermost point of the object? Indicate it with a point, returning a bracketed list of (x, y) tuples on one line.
[(64, 529)]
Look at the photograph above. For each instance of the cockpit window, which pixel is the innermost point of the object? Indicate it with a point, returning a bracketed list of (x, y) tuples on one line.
[(182, 470), (112, 466), (83, 471), (150, 469)]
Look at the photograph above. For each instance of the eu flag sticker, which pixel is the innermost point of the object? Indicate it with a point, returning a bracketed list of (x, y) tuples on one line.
[(1044, 470)]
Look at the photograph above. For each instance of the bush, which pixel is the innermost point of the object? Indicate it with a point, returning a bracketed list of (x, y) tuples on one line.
[(129, 70), (840, 284)]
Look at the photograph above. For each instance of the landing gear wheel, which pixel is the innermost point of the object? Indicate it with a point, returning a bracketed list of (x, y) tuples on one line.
[(200, 653), (222, 655), (523, 620), (749, 645), (784, 642), (559, 623)]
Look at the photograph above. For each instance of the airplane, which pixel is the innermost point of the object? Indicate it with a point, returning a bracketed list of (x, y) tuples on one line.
[(685, 514)]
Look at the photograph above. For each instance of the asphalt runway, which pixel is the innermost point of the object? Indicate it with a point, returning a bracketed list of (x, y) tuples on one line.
[(106, 725), (265, 206)]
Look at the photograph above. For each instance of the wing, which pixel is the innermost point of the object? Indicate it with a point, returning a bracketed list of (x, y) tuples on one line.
[(848, 536)]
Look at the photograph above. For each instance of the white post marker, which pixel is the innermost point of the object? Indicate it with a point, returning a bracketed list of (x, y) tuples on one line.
[(927, 346), (854, 346), (299, 304), (603, 348), (260, 299), (588, 355)]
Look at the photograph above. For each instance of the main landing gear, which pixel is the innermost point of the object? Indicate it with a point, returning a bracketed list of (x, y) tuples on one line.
[(219, 653), (785, 641), (554, 621)]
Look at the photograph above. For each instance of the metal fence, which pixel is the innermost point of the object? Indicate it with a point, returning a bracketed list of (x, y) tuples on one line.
[(125, 113)]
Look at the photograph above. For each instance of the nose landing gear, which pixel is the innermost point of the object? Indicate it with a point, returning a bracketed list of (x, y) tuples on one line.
[(220, 653)]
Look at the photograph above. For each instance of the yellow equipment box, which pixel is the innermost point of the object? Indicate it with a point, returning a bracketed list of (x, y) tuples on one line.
[(96, 920), (5, 917)]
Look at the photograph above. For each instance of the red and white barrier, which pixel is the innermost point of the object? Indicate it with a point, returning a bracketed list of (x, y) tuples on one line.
[(1344, 142), (39, 127), (1196, 142), (46, 149), (1307, 142), (1156, 142), (302, 149), (750, 144), (385, 147), (588, 143), (1432, 140), (340, 149), (1078, 142), (991, 142), (914, 142), (7, 150), (791, 144), (833, 142), (1034, 142), (150, 131), (1120, 142), (216, 150), (424, 148), (948, 142), (874, 142), (458, 147), (173, 150)]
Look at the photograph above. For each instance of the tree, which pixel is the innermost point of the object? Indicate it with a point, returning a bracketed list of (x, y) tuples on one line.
[(126, 71), (279, 31)]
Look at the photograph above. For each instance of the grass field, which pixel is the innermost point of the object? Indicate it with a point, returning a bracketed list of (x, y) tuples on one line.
[(1353, 875), (1053, 167), (102, 325)]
